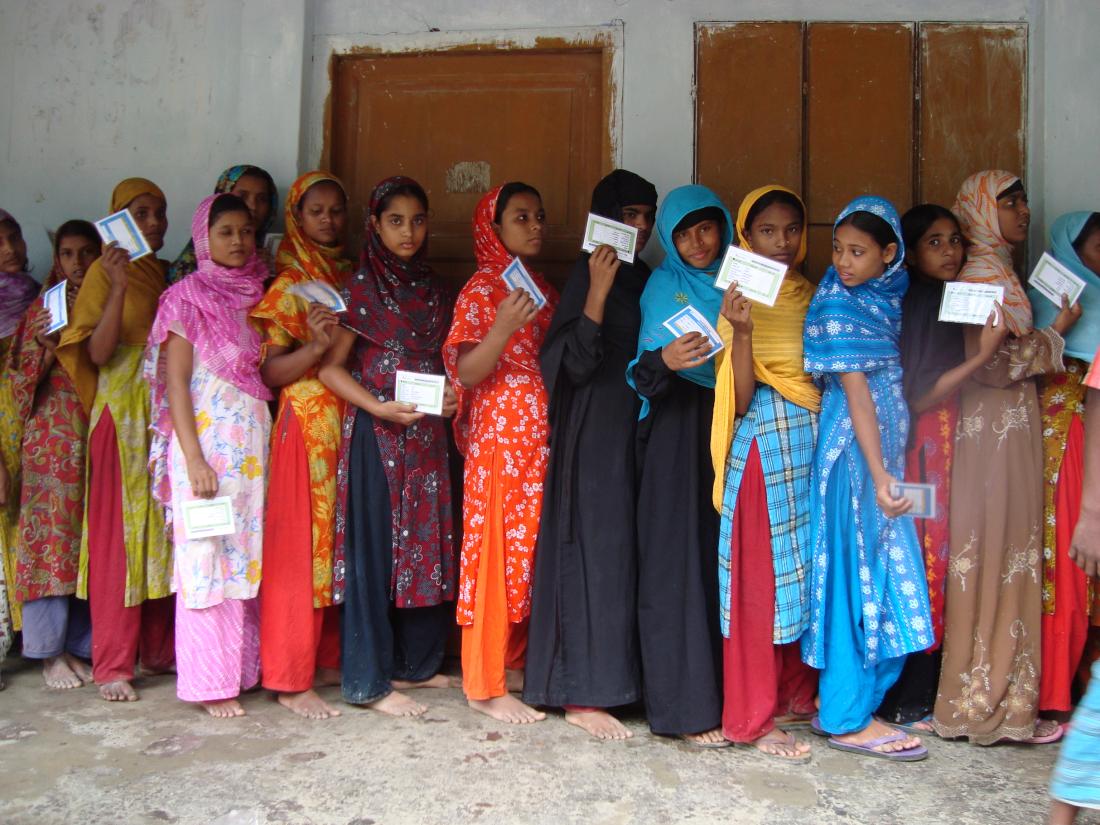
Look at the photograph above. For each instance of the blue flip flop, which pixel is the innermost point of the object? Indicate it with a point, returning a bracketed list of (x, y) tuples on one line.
[(868, 748)]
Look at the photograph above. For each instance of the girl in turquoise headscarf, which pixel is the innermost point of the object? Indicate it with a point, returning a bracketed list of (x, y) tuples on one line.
[(1074, 243), (868, 595), (677, 524)]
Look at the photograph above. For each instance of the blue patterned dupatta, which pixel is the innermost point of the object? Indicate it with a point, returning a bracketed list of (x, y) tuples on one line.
[(857, 330)]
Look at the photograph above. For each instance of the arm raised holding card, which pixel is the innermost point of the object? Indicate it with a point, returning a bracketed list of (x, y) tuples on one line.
[(103, 341), (284, 365), (737, 309), (991, 338), (476, 362)]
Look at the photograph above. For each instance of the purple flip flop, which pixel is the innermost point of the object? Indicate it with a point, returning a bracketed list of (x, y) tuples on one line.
[(868, 748)]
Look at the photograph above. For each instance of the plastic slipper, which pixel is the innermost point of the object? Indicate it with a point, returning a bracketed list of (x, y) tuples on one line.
[(1058, 733), (725, 743), (868, 748), (790, 720), (913, 727), (816, 729)]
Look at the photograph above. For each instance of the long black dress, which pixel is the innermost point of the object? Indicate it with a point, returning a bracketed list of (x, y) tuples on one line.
[(582, 647), (677, 553)]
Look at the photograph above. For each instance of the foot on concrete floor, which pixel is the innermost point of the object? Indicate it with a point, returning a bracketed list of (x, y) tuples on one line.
[(326, 677), (118, 691), (398, 704), (308, 704), (507, 708), (707, 739), (782, 745), (81, 668), (598, 723), (513, 681), (877, 730), (58, 674), (438, 681), (224, 708)]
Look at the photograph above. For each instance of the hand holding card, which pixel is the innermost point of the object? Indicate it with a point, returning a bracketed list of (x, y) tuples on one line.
[(121, 228), (758, 278), (601, 231), (967, 303)]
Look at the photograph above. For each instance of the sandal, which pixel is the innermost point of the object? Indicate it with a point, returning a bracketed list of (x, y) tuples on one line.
[(686, 737), (791, 720), (816, 729), (868, 748), (1058, 732), (921, 727)]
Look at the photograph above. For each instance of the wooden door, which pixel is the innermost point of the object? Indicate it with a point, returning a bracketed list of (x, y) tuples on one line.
[(461, 122), (835, 110)]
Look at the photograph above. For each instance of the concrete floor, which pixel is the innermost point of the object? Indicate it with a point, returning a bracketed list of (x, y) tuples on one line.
[(70, 757)]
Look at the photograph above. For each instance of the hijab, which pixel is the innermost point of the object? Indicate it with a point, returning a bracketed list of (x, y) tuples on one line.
[(1084, 337), (17, 290)]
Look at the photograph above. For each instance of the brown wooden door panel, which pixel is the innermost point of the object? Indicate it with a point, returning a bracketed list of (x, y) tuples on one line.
[(972, 105), (748, 107), (462, 122)]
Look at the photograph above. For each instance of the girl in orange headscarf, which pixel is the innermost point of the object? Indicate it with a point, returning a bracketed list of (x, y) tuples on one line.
[(299, 624), (125, 555), (491, 356)]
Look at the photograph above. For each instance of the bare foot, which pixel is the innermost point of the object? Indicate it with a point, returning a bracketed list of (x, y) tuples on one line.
[(223, 708), (307, 704), (507, 708), (81, 668), (707, 739), (876, 730), (398, 704), (58, 674), (326, 676), (598, 723), (118, 691), (438, 681), (782, 744), (513, 681)]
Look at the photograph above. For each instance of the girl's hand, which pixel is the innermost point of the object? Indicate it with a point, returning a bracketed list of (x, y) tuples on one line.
[(737, 309), (1067, 316), (603, 265), (399, 413), (884, 494), (5, 485), (689, 350), (514, 311), (320, 321), (116, 263), (47, 342), (991, 338), (204, 481), (450, 400)]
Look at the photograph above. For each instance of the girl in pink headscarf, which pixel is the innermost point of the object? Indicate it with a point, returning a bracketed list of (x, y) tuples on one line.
[(211, 424)]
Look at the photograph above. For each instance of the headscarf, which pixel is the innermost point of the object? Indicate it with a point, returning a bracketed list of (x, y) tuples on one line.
[(675, 284), (988, 254), (145, 284), (186, 262), (17, 290), (621, 314), (1084, 337), (300, 260), (857, 329), (776, 346), (210, 310)]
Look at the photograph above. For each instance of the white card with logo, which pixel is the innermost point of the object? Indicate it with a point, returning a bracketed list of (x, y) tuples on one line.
[(58, 307), (965, 303), (601, 231), (421, 389), (923, 497), (758, 278), (689, 319), (517, 277), (318, 292), (121, 228), (207, 517), (1054, 280)]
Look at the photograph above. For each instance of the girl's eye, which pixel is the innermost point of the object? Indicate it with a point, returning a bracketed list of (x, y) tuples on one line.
[(934, 242), (857, 252)]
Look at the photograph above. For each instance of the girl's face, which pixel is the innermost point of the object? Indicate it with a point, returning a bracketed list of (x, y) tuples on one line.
[(403, 226), (521, 225), (700, 244), (776, 233), (641, 216), (232, 239), (939, 252), (857, 256), (1089, 253), (13, 249), (75, 254), (1014, 217), (323, 213), (252, 189), (151, 215)]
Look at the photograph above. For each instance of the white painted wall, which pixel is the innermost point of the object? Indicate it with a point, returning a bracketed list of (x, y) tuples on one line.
[(179, 89)]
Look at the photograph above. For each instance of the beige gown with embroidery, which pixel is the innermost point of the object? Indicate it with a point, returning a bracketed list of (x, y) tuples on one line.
[(989, 684)]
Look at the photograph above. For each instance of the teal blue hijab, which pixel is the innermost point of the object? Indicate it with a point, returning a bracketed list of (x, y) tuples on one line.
[(675, 284), (1084, 338)]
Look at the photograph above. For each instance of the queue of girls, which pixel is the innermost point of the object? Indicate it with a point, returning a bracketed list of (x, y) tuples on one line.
[(716, 536)]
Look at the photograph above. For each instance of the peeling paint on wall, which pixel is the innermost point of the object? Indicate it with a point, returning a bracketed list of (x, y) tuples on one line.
[(469, 176)]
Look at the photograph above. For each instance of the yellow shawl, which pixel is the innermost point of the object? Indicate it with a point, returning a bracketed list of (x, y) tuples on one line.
[(146, 283), (776, 349)]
